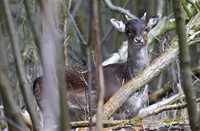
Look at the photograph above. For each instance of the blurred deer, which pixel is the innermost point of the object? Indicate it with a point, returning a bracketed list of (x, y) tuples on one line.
[(136, 31)]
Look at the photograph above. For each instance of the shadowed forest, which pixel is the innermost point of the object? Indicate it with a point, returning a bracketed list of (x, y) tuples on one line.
[(99, 65)]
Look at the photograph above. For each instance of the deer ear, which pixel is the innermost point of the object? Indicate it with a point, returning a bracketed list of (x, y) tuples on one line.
[(119, 25), (153, 22), (144, 16), (127, 18)]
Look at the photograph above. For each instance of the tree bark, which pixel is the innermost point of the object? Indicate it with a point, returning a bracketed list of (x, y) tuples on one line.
[(51, 20)]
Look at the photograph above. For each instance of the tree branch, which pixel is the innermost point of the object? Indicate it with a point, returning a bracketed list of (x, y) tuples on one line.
[(76, 27), (163, 108), (119, 9), (186, 9)]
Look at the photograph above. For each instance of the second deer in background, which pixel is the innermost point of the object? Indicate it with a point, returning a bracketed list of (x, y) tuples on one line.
[(114, 74)]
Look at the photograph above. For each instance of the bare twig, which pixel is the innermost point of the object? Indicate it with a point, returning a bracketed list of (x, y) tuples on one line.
[(195, 41), (111, 27), (36, 28), (119, 9), (76, 27), (73, 14), (193, 5), (186, 9), (67, 22)]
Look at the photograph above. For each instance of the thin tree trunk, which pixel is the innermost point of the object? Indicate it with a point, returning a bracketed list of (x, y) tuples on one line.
[(89, 65), (185, 65), (99, 69), (50, 10)]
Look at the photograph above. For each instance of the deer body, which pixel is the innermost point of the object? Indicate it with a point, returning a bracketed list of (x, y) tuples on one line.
[(114, 74)]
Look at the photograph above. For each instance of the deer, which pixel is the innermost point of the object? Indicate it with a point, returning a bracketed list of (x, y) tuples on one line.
[(136, 31)]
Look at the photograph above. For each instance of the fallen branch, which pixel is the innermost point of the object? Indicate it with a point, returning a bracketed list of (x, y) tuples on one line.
[(165, 102), (106, 123), (163, 108)]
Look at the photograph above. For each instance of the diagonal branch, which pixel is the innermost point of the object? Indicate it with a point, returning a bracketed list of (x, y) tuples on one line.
[(119, 9)]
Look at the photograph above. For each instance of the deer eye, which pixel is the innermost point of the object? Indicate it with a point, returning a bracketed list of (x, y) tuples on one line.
[(127, 30), (129, 34), (146, 29)]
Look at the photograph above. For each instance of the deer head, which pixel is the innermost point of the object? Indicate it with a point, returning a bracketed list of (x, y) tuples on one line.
[(136, 29)]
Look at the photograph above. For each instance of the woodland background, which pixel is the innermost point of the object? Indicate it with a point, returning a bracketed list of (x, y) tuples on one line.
[(22, 52)]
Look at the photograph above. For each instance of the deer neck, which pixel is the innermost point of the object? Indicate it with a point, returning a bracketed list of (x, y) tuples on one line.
[(137, 60)]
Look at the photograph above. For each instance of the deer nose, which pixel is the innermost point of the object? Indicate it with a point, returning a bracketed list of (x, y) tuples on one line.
[(138, 39)]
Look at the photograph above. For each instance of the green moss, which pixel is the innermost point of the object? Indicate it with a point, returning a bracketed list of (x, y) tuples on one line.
[(168, 121), (174, 42), (196, 28), (2, 126), (137, 121)]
